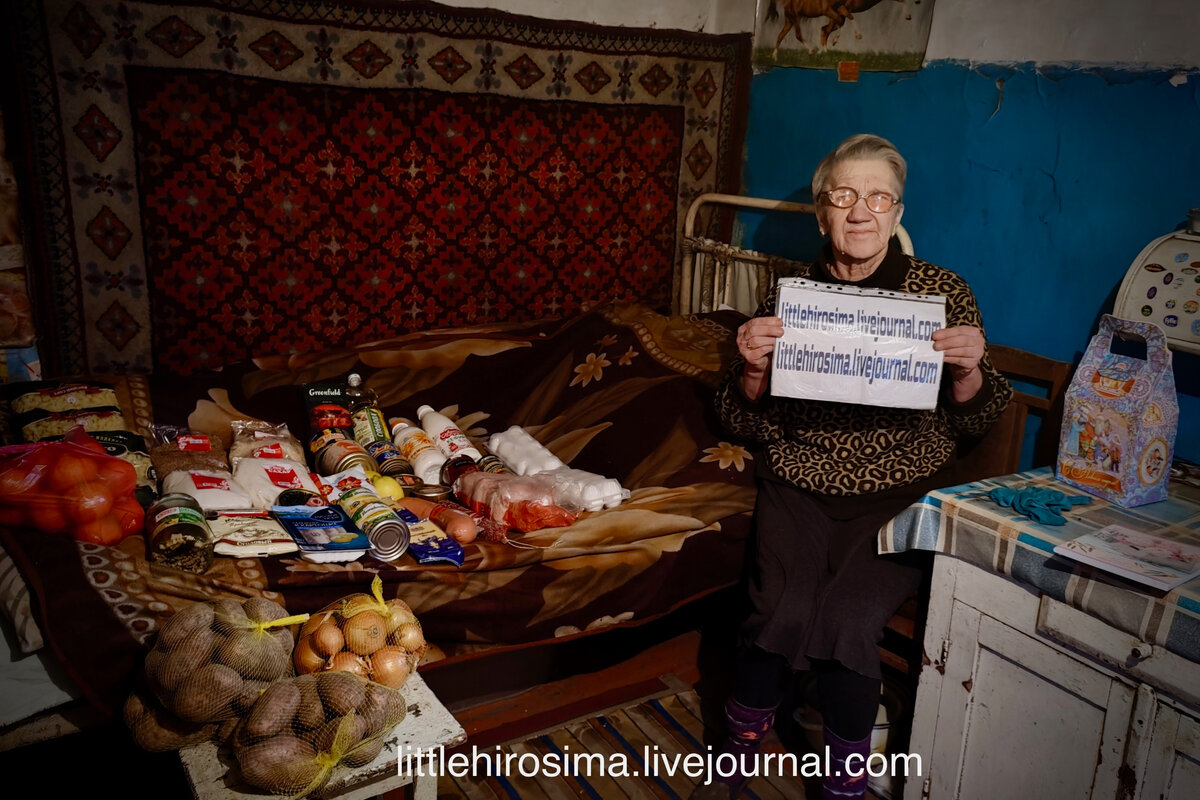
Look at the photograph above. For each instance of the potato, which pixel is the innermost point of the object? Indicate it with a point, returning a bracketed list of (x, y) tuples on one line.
[(311, 713), (286, 641), (252, 655), (353, 731), (341, 692), (230, 616), (365, 753), (397, 709), (188, 656), (208, 694), (157, 730), (282, 764), (374, 709), (251, 691), (183, 623), (260, 609), (274, 709), (226, 730)]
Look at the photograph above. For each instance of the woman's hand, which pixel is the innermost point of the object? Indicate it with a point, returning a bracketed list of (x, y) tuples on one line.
[(756, 343), (963, 348)]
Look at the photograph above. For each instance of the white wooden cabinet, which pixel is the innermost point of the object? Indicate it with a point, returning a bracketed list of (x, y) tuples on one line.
[(1024, 697)]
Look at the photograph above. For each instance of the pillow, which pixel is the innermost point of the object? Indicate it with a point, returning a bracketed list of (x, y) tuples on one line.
[(14, 603)]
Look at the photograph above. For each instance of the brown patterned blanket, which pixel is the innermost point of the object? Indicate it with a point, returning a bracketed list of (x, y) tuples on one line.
[(621, 391)]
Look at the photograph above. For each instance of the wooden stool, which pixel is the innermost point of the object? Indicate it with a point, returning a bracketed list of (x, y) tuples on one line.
[(212, 772)]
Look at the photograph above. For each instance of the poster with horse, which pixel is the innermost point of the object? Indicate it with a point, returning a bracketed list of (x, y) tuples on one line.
[(878, 35)]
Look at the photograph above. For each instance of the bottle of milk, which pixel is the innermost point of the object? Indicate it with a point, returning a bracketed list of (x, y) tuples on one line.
[(418, 449), (446, 435)]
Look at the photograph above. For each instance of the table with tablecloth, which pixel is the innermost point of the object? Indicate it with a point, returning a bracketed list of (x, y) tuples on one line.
[(964, 522)]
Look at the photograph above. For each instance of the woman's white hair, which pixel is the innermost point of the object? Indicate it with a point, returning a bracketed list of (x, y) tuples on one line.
[(865, 146)]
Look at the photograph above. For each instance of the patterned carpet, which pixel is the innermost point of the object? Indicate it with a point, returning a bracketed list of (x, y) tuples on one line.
[(666, 728)]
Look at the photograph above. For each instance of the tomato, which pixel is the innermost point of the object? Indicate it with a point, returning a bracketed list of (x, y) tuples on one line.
[(71, 468), (48, 515), (16, 479), (120, 476), (130, 513), (79, 436), (104, 530), (88, 501)]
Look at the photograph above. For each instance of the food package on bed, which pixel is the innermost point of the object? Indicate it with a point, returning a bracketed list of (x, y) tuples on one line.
[(214, 490), (522, 453), (265, 479), (71, 486), (577, 488), (377, 639), (176, 448), (522, 502), (58, 396), (253, 438), (301, 729), (211, 660)]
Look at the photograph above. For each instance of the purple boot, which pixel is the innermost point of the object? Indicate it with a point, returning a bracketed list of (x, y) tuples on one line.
[(745, 728), (838, 785)]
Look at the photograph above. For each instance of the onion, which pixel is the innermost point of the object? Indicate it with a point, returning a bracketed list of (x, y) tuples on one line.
[(365, 632), (306, 658), (409, 637), (356, 604), (348, 662), (389, 666), (399, 614), (314, 622), (327, 639)]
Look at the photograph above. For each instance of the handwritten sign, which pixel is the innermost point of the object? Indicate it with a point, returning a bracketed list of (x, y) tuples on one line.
[(852, 345)]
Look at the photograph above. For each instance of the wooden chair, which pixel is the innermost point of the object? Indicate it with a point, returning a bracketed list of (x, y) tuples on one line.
[(1039, 387)]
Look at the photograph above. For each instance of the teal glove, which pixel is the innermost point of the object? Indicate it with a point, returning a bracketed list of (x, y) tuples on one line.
[(1040, 505)]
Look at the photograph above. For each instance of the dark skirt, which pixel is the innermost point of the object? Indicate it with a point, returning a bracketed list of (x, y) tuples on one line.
[(818, 588)]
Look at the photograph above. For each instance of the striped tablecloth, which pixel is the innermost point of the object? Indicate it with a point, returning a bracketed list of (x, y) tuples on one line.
[(962, 521)]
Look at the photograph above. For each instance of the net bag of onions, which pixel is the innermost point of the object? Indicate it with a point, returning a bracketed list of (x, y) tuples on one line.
[(212, 660), (365, 635), (301, 729)]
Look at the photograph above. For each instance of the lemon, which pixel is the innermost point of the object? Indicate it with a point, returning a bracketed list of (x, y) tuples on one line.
[(388, 486)]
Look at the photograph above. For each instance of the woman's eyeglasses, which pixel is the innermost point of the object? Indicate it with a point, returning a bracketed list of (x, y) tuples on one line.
[(844, 197)]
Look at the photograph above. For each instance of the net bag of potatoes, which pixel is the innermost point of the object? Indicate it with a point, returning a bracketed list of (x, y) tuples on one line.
[(158, 730), (301, 729), (212, 660), (363, 634)]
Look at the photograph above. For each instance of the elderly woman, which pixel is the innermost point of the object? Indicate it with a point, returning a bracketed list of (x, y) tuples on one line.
[(830, 474)]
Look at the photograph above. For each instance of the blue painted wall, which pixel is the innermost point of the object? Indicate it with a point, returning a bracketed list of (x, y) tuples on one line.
[(1039, 187)]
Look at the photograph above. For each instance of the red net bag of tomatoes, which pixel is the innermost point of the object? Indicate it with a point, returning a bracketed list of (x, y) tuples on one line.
[(373, 638), (69, 486), (301, 730)]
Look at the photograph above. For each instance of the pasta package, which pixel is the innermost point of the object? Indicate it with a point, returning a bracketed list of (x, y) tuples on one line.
[(41, 424), (59, 396)]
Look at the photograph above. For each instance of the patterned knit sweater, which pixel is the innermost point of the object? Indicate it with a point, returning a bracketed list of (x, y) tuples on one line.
[(843, 449)]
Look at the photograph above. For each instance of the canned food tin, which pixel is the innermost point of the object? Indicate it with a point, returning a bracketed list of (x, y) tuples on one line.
[(391, 461), (431, 491), (177, 534), (369, 426), (342, 454), (387, 533)]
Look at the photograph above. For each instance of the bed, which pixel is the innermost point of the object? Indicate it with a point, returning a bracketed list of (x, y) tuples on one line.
[(220, 221)]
